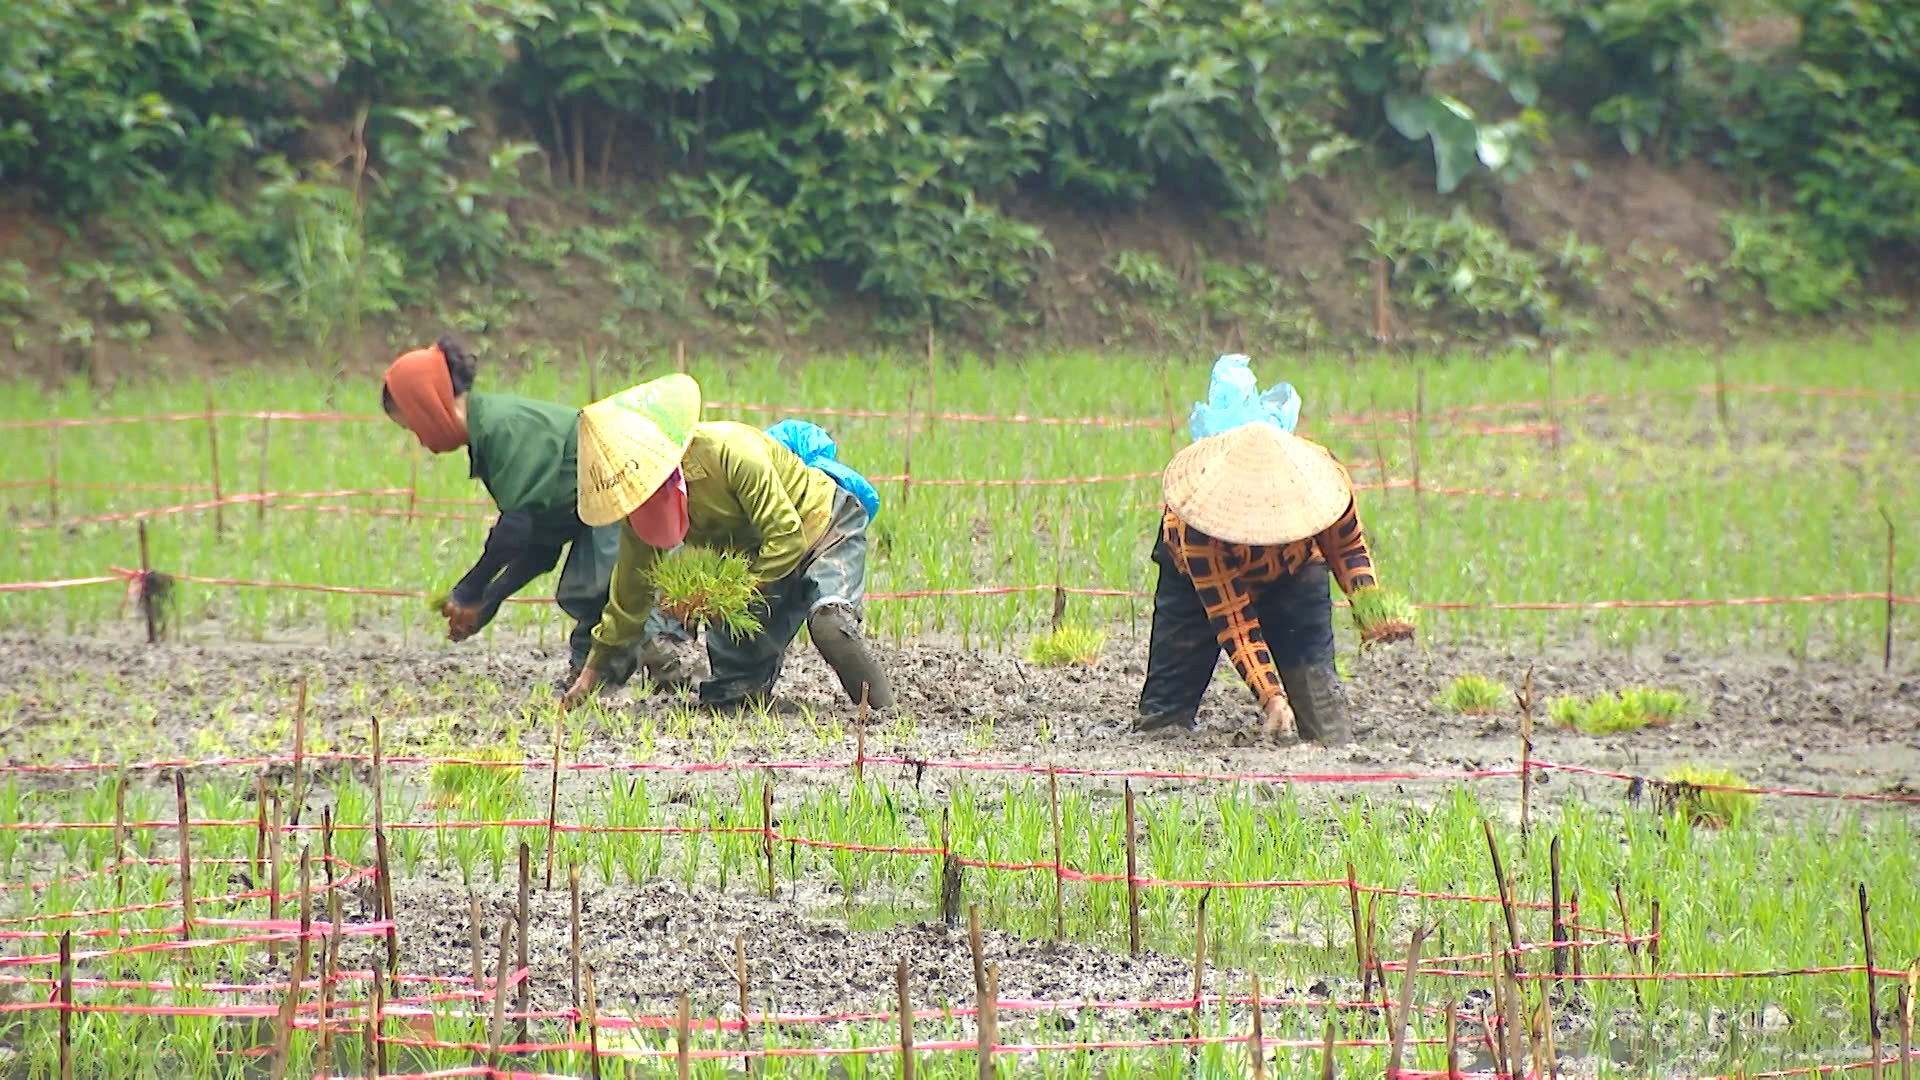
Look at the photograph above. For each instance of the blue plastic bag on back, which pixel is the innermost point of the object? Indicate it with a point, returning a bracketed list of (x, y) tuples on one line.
[(1234, 398), (812, 445)]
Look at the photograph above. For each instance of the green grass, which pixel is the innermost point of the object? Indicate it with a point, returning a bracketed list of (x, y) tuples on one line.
[(1658, 502), (1067, 646), (1473, 695)]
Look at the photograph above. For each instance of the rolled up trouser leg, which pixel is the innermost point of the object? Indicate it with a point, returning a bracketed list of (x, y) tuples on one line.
[(1319, 701)]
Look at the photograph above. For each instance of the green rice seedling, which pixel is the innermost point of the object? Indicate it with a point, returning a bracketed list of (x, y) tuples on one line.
[(1693, 793), (1656, 708), (1566, 711), (701, 587), (1473, 695), (470, 782), (1072, 644), (1382, 615)]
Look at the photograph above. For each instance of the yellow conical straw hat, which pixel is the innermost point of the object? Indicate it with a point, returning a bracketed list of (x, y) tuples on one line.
[(1257, 484), (631, 442)]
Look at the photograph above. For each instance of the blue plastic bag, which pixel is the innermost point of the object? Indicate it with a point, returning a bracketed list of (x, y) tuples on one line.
[(811, 443), (1234, 399)]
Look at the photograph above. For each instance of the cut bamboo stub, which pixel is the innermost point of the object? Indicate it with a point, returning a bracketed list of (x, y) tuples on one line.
[(906, 1019), (988, 1022), (186, 856)]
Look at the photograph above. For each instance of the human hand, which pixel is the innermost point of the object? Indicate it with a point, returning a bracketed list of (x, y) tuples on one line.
[(462, 622), (583, 685), (1279, 717)]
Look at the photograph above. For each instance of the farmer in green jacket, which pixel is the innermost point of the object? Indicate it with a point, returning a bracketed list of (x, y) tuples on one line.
[(525, 452), (650, 467)]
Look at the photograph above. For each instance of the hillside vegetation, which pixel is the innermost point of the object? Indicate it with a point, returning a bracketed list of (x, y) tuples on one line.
[(225, 178)]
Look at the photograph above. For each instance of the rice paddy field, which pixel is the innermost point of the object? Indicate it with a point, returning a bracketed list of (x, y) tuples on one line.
[(1577, 834)]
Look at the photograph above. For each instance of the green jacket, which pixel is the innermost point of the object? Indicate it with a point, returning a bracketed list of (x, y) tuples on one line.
[(746, 493), (527, 454)]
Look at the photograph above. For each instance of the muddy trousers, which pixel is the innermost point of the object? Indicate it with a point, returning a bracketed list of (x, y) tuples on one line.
[(582, 594), (1296, 617), (823, 593)]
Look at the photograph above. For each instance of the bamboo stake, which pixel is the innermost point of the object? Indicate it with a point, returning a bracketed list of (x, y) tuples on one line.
[(259, 864), (146, 585), (1326, 1050), (906, 1019), (497, 1029), (523, 999), (290, 1008), (950, 887), (213, 456), (683, 1038), (1653, 938), (325, 1056), (1873, 1010), (988, 1021), (266, 439), (1399, 1018), (1453, 1042), (740, 973), (299, 755), (1256, 1041), (1199, 954), (1133, 876), (273, 876), (1907, 995), (119, 848), (381, 865), (573, 933), (1559, 924), (476, 940), (976, 947), (1513, 962), (1633, 948), (1359, 938), (186, 856), (1059, 877), (376, 1023), (1525, 699), (766, 831), (553, 801), (1496, 1027), (1573, 917), (66, 1004), (593, 1025), (1511, 1021)]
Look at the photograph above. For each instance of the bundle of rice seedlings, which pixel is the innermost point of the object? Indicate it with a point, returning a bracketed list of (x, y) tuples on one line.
[(471, 784), (1067, 645), (703, 587), (1693, 791), (1655, 708), (1382, 616), (1473, 695)]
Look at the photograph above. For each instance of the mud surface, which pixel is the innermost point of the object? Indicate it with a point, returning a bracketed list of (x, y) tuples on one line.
[(1779, 724)]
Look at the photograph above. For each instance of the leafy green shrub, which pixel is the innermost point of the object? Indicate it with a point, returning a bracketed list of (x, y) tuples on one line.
[(1143, 275), (1625, 63), (1066, 646), (1838, 119), (738, 248), (1456, 264), (1797, 272), (1473, 695)]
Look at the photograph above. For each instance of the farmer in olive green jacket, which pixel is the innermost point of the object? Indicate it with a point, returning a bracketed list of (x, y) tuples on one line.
[(648, 464), (525, 452)]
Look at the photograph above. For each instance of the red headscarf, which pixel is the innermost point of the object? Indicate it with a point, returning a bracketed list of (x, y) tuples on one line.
[(422, 391)]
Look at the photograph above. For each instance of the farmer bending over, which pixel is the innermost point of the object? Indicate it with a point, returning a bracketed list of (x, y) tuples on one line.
[(524, 452), (1255, 519), (649, 464)]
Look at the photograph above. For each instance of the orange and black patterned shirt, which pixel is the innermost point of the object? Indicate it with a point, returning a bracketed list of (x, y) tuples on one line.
[(1227, 576)]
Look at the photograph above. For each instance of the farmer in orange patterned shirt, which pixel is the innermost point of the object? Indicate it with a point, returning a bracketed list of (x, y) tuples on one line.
[(1255, 521)]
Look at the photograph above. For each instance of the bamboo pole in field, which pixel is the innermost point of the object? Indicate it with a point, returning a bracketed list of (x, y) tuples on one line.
[(273, 873), (683, 1038), (376, 1024), (186, 855), (1524, 698), (553, 799), (976, 947), (593, 1025), (213, 457), (1873, 1010), (1907, 995), (523, 1000), (1513, 961), (1199, 954), (1399, 1018), (381, 865), (290, 1008), (66, 1004), (1453, 1042), (1326, 1050), (740, 978), (1133, 875), (987, 1021), (299, 755), (1059, 877), (906, 1019), (1361, 968), (497, 1029), (1256, 1041), (766, 831), (259, 864)]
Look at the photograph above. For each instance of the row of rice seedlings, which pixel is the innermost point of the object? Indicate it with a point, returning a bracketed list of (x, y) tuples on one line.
[(1626, 710)]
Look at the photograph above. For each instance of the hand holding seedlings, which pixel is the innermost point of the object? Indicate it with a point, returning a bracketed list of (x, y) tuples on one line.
[(462, 622), (583, 685)]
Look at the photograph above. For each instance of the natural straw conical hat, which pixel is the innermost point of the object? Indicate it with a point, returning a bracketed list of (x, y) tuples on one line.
[(1257, 484), (630, 444)]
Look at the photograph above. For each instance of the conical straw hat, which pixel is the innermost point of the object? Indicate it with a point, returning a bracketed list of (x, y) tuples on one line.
[(630, 444), (1256, 484)]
